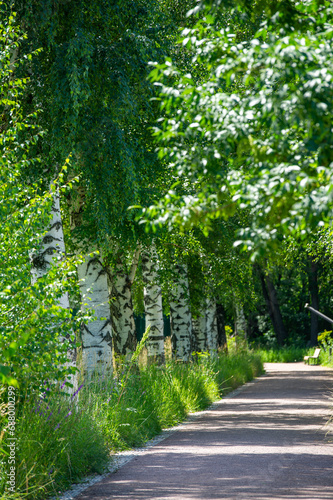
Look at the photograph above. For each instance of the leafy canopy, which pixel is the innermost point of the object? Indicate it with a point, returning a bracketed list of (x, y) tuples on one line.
[(255, 135), (32, 324)]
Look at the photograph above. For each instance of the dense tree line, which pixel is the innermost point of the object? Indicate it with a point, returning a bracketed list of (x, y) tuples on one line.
[(240, 114)]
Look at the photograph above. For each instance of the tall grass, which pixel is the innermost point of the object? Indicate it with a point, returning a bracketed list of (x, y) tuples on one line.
[(282, 354), (60, 440)]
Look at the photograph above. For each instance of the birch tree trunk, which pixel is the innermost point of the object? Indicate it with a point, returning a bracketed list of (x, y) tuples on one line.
[(181, 321), (211, 325), (52, 250), (153, 307), (96, 335), (199, 333), (240, 324), (122, 315)]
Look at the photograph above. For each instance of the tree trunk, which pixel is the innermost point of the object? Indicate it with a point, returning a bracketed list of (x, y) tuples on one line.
[(273, 307), (122, 315), (314, 293), (211, 325), (199, 333), (52, 250), (96, 334), (221, 334), (153, 307), (240, 322), (181, 322)]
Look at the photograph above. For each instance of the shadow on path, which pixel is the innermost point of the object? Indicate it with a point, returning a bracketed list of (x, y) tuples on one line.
[(269, 442)]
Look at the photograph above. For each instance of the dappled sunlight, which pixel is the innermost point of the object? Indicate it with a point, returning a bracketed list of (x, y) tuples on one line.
[(263, 443)]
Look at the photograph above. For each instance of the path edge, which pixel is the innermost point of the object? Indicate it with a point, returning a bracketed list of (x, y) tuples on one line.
[(121, 458)]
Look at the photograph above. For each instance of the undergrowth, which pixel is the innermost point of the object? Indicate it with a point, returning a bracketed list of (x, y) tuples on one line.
[(61, 439)]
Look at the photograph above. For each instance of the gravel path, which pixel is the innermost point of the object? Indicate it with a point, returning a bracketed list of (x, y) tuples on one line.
[(267, 442)]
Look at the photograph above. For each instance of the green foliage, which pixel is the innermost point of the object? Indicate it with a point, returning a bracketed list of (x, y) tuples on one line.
[(90, 81), (257, 133), (32, 323), (325, 341), (325, 338)]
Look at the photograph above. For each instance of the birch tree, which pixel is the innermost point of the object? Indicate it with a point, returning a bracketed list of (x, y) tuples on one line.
[(32, 322), (96, 334), (199, 332), (211, 325), (180, 315), (240, 324), (153, 305), (122, 314), (51, 253)]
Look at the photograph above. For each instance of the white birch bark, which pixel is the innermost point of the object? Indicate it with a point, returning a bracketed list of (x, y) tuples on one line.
[(153, 307), (181, 322), (122, 315), (53, 244), (199, 333), (96, 334), (240, 322), (52, 250), (211, 325)]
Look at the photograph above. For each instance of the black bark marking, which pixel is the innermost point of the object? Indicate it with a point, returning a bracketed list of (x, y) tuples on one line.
[(49, 239), (86, 329), (57, 225)]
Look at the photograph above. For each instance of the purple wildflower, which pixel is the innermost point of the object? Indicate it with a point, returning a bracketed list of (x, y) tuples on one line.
[(68, 414), (77, 391), (64, 383)]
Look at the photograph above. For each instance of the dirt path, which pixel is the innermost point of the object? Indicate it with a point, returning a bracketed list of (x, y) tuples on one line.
[(267, 442)]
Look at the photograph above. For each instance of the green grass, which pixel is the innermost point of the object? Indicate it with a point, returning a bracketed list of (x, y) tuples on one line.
[(294, 354), (59, 442), (282, 355)]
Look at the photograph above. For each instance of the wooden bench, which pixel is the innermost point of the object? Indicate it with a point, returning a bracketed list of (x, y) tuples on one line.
[(315, 356)]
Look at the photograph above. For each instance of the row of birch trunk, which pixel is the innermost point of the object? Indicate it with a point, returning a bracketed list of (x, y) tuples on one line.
[(107, 290)]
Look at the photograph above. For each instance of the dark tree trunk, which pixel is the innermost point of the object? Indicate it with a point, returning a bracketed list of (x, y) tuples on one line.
[(314, 293), (273, 307), (221, 335)]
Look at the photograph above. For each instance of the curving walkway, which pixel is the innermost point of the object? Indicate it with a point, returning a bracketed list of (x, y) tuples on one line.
[(266, 442)]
